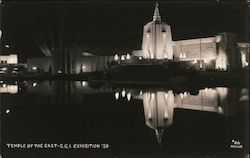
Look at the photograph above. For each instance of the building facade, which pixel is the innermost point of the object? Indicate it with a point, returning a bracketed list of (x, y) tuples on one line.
[(69, 61), (157, 39), (219, 52)]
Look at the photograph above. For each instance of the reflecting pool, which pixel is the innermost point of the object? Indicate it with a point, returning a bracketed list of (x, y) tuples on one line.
[(125, 121)]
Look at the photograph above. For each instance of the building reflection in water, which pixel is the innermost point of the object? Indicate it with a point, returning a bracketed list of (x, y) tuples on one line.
[(158, 111), (158, 105), (8, 88)]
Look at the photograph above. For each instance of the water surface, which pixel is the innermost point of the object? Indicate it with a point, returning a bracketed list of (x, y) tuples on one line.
[(132, 121)]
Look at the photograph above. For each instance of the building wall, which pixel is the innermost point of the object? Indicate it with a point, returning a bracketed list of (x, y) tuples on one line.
[(221, 48), (202, 52), (9, 59), (200, 49), (90, 63), (157, 41), (74, 63)]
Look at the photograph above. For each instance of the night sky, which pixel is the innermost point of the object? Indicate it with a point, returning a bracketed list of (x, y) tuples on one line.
[(108, 27)]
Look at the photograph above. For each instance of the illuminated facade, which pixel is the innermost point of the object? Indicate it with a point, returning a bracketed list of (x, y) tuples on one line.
[(218, 52), (8, 59), (9, 65), (157, 39)]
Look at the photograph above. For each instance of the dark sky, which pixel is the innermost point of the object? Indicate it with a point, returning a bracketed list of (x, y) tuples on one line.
[(105, 27)]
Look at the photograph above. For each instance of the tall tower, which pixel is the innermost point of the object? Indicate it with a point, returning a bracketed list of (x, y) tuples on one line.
[(157, 38)]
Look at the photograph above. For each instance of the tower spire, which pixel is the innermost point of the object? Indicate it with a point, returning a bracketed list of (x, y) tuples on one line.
[(157, 16), (159, 134)]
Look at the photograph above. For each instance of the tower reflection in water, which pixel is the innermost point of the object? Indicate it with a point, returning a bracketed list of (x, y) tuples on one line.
[(158, 105)]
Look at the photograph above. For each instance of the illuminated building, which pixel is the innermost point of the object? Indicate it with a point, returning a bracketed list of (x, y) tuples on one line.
[(219, 52), (9, 64), (157, 38), (8, 59)]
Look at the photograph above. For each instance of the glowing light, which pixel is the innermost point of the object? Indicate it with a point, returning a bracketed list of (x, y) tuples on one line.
[(222, 91), (7, 46), (181, 56), (123, 93), (84, 83), (205, 61), (243, 60), (148, 35), (1, 81), (140, 92), (129, 96), (185, 94), (206, 89), (195, 61), (152, 96), (15, 68), (218, 38), (0, 30), (165, 114), (59, 71), (117, 95), (83, 68), (34, 84), (152, 56), (184, 55), (221, 61), (127, 56), (116, 57), (34, 68), (122, 57), (166, 96), (182, 96), (7, 111), (220, 110), (4, 68), (140, 58), (165, 56), (201, 65), (4, 85)]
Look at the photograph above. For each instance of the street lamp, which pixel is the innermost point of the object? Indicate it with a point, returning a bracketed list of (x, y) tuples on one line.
[(128, 56), (122, 57), (116, 58)]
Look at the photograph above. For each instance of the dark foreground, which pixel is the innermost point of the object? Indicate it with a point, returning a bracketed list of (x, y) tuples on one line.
[(68, 112)]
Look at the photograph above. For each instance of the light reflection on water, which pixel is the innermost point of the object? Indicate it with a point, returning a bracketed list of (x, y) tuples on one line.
[(159, 105), (8, 88)]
